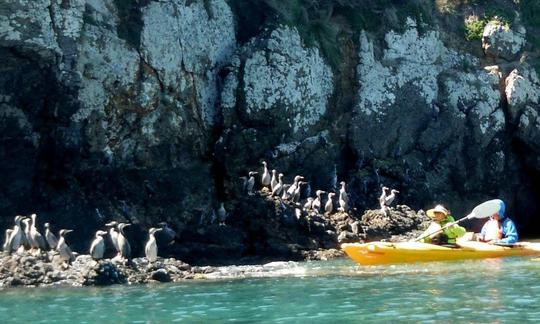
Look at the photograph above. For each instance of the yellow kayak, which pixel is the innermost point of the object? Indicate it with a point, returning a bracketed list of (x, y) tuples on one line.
[(407, 252)]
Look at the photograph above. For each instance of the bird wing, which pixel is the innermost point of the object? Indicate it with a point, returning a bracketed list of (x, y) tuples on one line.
[(40, 240), (93, 247)]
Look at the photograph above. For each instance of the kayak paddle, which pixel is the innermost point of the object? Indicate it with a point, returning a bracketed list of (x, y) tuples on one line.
[(484, 210)]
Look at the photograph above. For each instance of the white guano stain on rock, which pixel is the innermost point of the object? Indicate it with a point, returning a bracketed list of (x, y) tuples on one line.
[(477, 93), (499, 40), (288, 75), (409, 59), (107, 64), (522, 88), (187, 44)]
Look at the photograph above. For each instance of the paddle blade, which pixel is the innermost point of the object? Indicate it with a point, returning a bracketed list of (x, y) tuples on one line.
[(486, 209)]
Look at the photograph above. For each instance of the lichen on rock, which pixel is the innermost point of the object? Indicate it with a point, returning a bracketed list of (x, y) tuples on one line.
[(287, 80), (499, 40)]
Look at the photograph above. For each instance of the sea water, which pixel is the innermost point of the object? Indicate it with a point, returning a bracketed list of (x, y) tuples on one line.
[(491, 290)]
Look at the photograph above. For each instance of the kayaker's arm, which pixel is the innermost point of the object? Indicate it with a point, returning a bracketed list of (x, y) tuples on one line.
[(440, 229), (509, 232)]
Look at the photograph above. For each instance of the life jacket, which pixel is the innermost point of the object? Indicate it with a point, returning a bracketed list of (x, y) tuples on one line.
[(493, 230)]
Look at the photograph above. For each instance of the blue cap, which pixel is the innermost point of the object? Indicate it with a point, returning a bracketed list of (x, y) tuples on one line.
[(502, 209)]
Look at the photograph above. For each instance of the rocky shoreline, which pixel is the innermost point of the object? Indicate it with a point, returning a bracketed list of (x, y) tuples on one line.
[(46, 270)]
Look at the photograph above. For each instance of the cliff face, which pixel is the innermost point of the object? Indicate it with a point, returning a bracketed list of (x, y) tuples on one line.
[(151, 110)]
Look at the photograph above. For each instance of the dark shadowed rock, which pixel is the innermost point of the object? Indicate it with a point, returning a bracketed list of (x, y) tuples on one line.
[(401, 220)]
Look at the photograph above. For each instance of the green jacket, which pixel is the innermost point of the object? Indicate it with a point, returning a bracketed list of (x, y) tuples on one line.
[(449, 234)]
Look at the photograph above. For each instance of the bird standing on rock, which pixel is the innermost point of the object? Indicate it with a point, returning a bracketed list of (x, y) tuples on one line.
[(297, 191), (113, 234), (222, 214), (31, 243), (309, 204), (276, 191), (329, 206), (97, 248), (318, 201), (390, 198), (382, 198), (168, 233), (123, 244), (265, 178), (274, 181), (292, 188), (63, 249), (37, 238), (343, 198), (15, 240), (6, 246), (150, 249), (251, 183), (52, 240)]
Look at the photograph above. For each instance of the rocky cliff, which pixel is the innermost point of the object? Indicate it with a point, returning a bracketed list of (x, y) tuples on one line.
[(150, 111)]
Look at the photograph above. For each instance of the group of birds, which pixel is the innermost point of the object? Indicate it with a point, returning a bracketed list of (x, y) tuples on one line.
[(293, 192), (25, 236), (385, 199)]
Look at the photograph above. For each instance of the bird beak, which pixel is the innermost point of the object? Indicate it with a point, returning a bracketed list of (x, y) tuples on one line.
[(68, 231)]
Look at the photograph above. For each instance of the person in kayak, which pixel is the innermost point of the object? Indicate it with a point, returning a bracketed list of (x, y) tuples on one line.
[(441, 216), (499, 229)]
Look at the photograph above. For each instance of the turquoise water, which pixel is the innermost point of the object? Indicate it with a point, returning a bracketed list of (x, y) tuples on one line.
[(497, 290)]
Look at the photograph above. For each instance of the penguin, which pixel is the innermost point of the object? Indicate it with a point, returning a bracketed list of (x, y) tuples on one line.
[(390, 198), (52, 240), (343, 198), (6, 246), (168, 233), (97, 248), (265, 178), (309, 204), (63, 249), (151, 249), (276, 191), (317, 203), (382, 198), (329, 206), (15, 240), (37, 238), (222, 214), (251, 183), (274, 181), (123, 244), (113, 234)]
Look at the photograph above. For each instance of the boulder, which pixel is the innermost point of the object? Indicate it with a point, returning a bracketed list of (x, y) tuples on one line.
[(499, 40)]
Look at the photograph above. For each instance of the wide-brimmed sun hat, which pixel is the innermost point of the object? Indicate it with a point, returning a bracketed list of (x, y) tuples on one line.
[(437, 209)]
